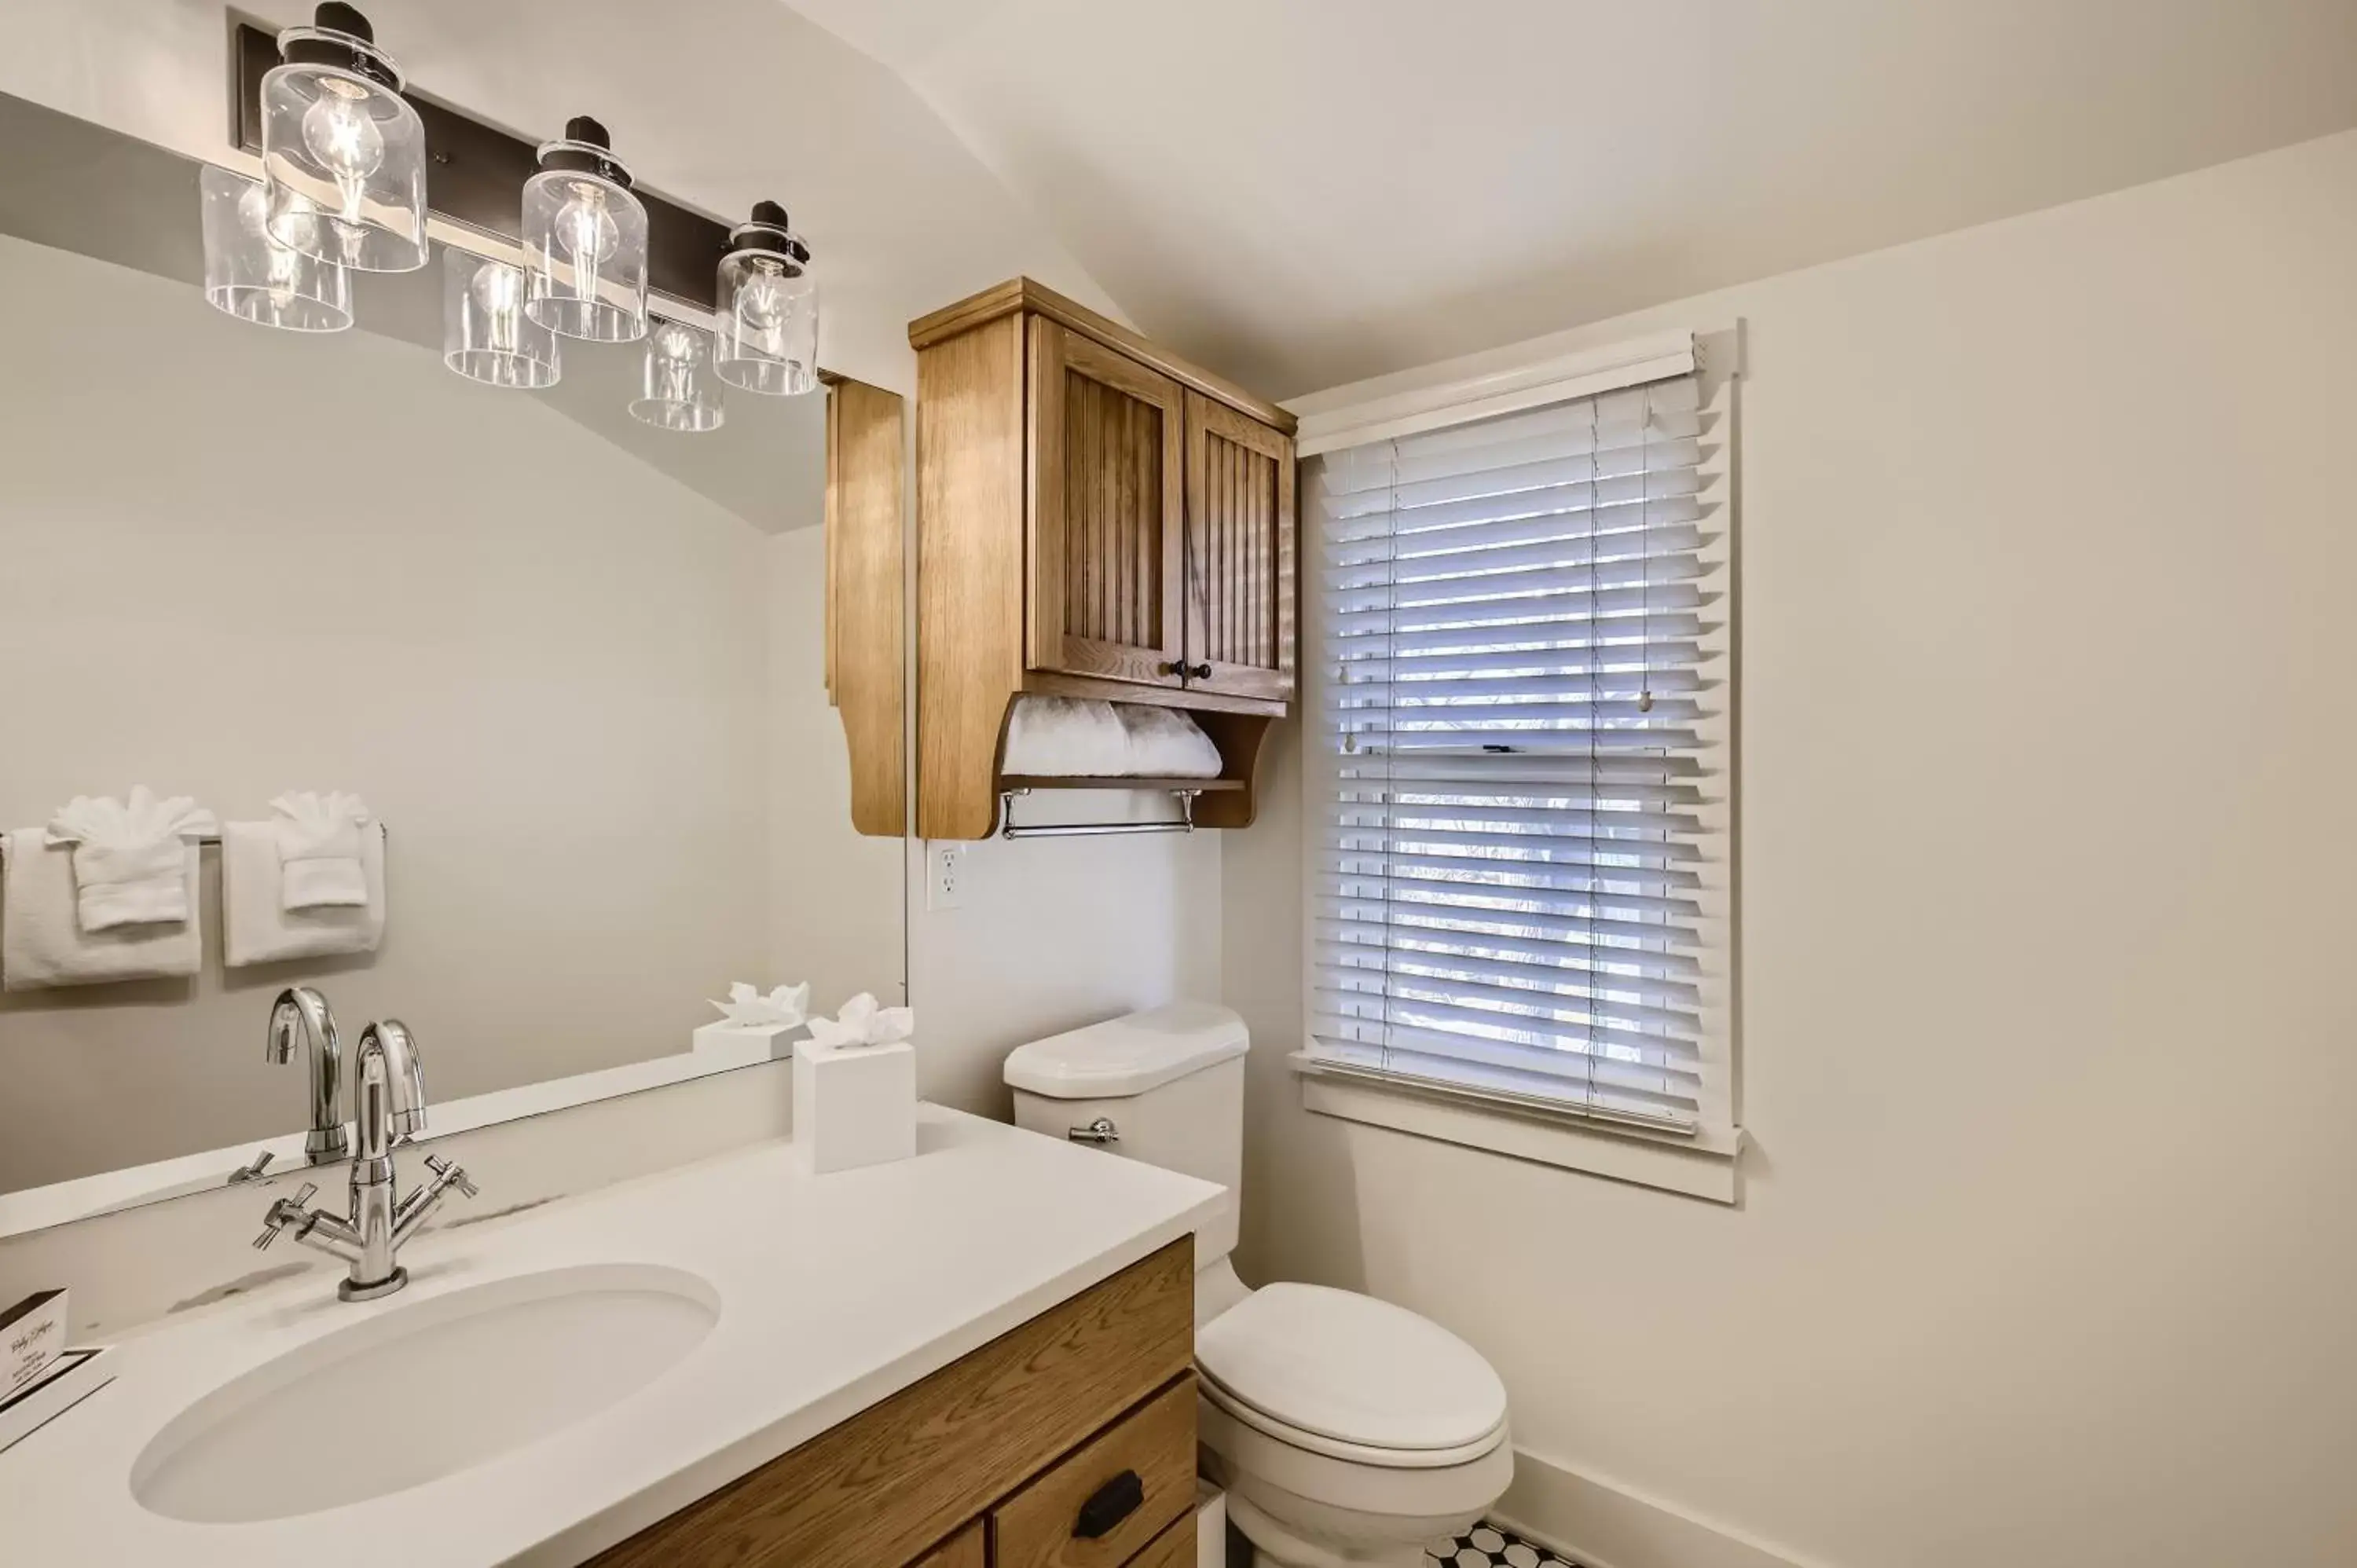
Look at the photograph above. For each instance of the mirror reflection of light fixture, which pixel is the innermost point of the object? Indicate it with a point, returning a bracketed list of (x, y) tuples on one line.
[(584, 240), (486, 336), (677, 391), (253, 277), (343, 154), (767, 306)]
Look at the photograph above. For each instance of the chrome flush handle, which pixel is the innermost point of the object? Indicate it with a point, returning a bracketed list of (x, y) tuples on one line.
[(1100, 1131)]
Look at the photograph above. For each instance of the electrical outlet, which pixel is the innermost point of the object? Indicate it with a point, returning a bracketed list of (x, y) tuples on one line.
[(945, 873)]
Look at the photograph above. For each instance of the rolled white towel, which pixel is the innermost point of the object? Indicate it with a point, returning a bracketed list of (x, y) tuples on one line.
[(130, 858), (319, 849), (1166, 744), (1065, 738)]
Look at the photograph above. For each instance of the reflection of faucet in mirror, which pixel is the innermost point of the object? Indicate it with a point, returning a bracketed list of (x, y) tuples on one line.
[(390, 1088), (301, 1007)]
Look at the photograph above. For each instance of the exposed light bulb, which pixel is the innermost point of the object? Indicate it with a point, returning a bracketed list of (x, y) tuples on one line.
[(497, 289), (584, 227), (282, 267), (343, 136), (761, 298), (674, 356)]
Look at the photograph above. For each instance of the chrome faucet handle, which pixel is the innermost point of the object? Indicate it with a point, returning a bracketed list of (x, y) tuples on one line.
[(253, 1172), (285, 1212), (447, 1175)]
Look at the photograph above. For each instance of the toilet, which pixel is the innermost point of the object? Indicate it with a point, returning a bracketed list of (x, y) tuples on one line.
[(1347, 1431)]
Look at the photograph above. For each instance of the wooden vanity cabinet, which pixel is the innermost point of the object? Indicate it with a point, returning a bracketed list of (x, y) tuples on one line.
[(1095, 517), (1067, 1443)]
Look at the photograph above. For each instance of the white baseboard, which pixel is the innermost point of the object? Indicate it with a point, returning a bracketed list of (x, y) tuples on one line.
[(1599, 1523)]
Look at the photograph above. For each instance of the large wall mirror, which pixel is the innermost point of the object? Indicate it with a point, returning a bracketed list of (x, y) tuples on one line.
[(574, 665)]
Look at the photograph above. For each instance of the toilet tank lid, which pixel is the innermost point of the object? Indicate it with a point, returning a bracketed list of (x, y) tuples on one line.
[(1129, 1055)]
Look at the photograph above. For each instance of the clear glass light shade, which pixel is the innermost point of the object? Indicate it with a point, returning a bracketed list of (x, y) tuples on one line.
[(768, 311), (344, 159), (678, 392), (253, 277), (486, 336), (585, 242)]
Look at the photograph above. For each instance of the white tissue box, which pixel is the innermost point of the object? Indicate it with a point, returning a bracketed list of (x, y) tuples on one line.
[(740, 1044), (854, 1105)]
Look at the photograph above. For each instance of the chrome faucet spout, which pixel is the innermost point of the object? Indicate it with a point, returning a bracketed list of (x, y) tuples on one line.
[(389, 1089), (389, 1096), (302, 1011)]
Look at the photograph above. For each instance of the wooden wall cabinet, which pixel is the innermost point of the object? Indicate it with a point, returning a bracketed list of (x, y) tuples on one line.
[(1095, 517), (1068, 1443)]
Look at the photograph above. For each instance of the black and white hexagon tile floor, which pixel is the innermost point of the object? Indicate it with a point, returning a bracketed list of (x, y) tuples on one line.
[(1487, 1548)]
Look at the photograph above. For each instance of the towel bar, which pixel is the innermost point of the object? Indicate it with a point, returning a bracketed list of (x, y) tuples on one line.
[(1006, 829), (383, 830)]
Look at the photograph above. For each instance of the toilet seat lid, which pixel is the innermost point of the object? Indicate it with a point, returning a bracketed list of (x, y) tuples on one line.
[(1347, 1367)]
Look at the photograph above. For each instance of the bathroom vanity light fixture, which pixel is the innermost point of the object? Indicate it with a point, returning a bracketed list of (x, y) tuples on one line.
[(343, 154), (486, 336), (584, 240), (253, 277), (767, 306), (677, 391)]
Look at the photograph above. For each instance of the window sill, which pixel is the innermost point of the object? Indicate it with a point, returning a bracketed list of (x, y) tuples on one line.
[(1704, 1166)]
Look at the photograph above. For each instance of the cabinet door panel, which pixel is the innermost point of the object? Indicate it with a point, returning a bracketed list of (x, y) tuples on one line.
[(1240, 552), (1107, 495)]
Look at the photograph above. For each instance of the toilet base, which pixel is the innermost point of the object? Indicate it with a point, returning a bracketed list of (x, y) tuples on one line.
[(1274, 1546)]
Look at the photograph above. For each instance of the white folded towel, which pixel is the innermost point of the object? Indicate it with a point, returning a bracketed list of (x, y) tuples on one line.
[(42, 943), (256, 925), (318, 841), (1075, 737), (128, 857)]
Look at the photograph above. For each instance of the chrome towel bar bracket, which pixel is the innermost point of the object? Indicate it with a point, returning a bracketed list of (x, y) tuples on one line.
[(1007, 828)]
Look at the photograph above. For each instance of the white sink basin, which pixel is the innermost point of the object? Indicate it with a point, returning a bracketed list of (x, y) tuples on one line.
[(421, 1391)]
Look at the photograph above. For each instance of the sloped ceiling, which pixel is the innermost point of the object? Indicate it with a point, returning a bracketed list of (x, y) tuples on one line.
[(1305, 192)]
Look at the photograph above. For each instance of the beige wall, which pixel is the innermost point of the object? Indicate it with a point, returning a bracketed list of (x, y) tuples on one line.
[(241, 561), (2044, 1255)]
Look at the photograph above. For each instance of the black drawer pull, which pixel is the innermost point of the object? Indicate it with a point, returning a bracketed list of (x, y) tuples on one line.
[(1109, 1505)]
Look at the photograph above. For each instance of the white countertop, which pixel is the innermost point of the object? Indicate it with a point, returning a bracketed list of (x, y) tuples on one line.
[(835, 1292)]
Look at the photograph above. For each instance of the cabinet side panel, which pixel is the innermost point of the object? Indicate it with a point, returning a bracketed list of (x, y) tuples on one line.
[(970, 557), (866, 522)]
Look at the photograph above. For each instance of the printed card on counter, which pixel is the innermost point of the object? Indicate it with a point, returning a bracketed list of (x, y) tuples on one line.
[(32, 1335)]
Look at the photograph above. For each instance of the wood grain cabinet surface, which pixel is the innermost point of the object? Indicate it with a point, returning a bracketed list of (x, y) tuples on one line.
[(995, 1454), (1095, 517), (1240, 545), (1107, 511)]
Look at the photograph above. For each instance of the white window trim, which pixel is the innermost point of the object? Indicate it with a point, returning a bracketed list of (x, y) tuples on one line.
[(1705, 1165)]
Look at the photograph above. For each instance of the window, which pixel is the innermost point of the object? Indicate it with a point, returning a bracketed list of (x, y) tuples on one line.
[(1519, 882)]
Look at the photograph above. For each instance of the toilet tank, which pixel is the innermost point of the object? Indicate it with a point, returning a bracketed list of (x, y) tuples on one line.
[(1172, 1082)]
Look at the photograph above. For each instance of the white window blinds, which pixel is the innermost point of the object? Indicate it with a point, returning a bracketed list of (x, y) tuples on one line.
[(1519, 889)]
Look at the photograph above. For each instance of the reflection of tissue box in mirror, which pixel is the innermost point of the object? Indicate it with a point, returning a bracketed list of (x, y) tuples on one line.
[(753, 1026), (854, 1105), (740, 1045)]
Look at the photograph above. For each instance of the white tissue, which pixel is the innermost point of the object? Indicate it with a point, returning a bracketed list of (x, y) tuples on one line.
[(862, 1023), (319, 849), (129, 860), (783, 1008)]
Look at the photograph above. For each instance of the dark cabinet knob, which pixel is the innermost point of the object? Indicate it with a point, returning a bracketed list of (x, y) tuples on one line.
[(1191, 672), (1109, 1505)]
